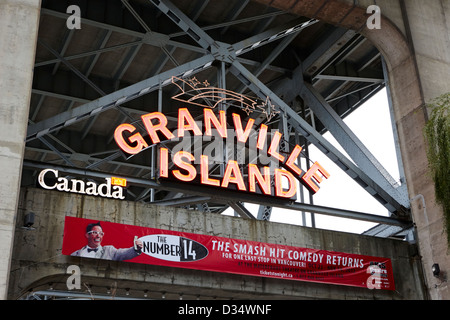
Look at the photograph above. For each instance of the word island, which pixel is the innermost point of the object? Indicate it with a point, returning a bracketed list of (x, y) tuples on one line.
[(185, 167)]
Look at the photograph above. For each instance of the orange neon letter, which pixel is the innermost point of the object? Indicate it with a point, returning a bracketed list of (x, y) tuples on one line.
[(233, 168), (242, 136), (186, 122), (290, 163), (161, 126), (164, 162), (136, 138), (312, 173), (221, 126), (204, 170), (263, 179), (177, 160), (291, 191), (274, 146), (262, 136)]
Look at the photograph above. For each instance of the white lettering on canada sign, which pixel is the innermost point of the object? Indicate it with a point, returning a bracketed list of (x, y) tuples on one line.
[(105, 190)]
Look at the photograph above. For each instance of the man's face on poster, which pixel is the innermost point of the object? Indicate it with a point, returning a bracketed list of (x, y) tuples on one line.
[(95, 237)]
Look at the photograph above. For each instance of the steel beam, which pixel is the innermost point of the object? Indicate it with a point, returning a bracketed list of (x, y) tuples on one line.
[(337, 77), (271, 35), (221, 50), (186, 24), (385, 198), (359, 153), (71, 67), (183, 201), (241, 210), (269, 16), (292, 87), (229, 196), (67, 38), (76, 295), (139, 35), (132, 92), (346, 71), (234, 13), (328, 47), (90, 53), (59, 153), (116, 98), (271, 57), (147, 39), (90, 157), (264, 212)]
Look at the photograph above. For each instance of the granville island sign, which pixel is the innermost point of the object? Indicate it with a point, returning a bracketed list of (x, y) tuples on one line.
[(278, 178), (191, 167)]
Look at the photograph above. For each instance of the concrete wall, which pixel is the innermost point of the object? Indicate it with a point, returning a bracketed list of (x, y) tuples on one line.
[(414, 40), (39, 265), (18, 34)]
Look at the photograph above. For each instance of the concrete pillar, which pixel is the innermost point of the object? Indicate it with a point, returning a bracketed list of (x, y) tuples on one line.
[(19, 21), (428, 23), (426, 28)]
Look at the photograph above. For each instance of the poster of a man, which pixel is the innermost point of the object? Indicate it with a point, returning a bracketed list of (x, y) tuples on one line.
[(94, 249)]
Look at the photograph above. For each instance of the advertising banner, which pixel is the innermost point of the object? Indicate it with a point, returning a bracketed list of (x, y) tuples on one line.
[(113, 241)]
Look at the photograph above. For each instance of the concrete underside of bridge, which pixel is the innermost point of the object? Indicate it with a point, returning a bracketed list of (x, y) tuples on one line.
[(64, 91)]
